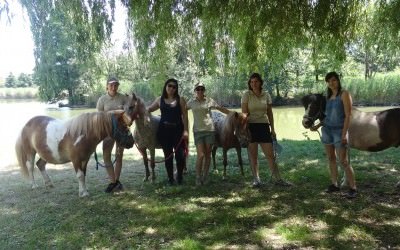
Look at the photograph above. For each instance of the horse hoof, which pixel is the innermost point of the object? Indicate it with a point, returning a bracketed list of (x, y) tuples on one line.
[(84, 194), (145, 179), (49, 185), (34, 186)]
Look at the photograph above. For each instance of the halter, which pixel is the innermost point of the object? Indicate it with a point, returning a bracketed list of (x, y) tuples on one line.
[(120, 136)]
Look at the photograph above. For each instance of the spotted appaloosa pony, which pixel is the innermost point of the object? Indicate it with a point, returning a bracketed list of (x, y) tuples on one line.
[(145, 135), (368, 131), (74, 140), (231, 131)]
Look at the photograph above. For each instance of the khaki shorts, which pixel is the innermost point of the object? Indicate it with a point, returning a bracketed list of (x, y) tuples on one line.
[(204, 137)]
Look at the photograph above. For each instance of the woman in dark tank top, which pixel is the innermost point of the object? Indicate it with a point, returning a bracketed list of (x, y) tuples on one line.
[(173, 128)]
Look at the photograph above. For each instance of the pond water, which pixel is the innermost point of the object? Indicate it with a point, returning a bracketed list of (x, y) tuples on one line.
[(16, 113)]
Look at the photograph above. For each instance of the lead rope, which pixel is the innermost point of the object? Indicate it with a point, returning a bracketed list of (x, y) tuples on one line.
[(185, 150)]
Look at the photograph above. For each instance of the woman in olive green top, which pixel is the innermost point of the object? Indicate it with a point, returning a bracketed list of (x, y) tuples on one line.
[(203, 130), (256, 103), (112, 100)]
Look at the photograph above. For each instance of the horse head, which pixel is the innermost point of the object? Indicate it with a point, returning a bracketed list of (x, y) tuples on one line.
[(121, 133), (136, 108), (241, 129), (314, 105)]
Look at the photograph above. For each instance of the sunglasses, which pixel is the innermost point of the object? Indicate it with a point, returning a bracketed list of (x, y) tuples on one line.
[(173, 86), (200, 89)]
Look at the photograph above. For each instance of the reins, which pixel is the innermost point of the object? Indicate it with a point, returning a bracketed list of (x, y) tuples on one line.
[(186, 151)]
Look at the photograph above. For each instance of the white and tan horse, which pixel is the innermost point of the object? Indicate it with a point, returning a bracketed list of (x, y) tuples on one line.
[(231, 132), (74, 140), (368, 131)]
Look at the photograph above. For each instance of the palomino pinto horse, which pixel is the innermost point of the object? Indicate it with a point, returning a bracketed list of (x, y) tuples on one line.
[(231, 132), (145, 134), (368, 131), (74, 140)]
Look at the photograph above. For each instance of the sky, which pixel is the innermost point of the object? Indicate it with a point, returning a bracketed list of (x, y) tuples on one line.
[(16, 42)]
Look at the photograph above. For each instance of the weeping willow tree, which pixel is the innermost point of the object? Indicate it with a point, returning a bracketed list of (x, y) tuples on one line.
[(67, 36), (218, 36)]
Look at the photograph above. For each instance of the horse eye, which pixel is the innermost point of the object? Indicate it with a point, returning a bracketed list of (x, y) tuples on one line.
[(130, 107)]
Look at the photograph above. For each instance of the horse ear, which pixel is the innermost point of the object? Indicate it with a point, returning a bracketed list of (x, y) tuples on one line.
[(134, 95)]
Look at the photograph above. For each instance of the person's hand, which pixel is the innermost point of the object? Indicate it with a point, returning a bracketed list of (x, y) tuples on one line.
[(344, 140), (273, 134), (185, 135), (315, 127)]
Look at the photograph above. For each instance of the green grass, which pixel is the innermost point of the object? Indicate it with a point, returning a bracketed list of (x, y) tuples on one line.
[(224, 214)]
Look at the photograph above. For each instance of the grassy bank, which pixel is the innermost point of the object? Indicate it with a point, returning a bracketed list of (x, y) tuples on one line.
[(221, 215), (19, 93)]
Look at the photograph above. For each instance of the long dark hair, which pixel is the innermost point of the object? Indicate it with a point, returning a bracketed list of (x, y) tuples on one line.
[(327, 78), (164, 91), (258, 77)]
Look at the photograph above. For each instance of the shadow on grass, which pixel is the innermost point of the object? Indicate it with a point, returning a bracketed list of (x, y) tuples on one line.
[(222, 214)]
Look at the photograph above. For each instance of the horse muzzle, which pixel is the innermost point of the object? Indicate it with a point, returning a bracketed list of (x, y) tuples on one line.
[(307, 122), (124, 139)]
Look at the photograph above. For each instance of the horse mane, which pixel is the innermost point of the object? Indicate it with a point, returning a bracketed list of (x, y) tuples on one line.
[(97, 123), (229, 124)]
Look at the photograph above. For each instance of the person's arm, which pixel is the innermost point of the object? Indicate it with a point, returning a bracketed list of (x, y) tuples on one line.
[(100, 105), (184, 118), (245, 105), (155, 105), (223, 109), (270, 116), (347, 105)]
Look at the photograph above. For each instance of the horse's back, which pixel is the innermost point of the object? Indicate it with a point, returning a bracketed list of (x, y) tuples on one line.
[(375, 131)]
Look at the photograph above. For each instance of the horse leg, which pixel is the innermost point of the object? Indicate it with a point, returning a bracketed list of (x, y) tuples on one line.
[(213, 152), (80, 170), (30, 165), (225, 162), (239, 155), (146, 164), (41, 164), (153, 164)]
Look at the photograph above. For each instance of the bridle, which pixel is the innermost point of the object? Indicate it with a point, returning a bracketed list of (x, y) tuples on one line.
[(319, 115)]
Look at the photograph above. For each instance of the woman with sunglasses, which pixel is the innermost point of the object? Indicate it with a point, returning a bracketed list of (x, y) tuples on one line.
[(203, 130), (173, 128)]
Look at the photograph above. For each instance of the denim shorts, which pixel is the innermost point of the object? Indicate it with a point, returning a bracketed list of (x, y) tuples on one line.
[(332, 136), (204, 137)]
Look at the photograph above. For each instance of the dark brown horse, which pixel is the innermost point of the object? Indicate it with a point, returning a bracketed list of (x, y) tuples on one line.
[(368, 131), (231, 132), (74, 140)]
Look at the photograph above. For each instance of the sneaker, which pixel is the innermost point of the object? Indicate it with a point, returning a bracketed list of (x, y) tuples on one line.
[(118, 186), (351, 194), (110, 187), (256, 183), (332, 188), (282, 183)]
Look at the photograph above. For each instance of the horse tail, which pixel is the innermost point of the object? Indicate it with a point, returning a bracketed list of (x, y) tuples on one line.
[(21, 156)]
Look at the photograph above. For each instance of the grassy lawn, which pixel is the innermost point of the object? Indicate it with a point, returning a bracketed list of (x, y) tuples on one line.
[(224, 214)]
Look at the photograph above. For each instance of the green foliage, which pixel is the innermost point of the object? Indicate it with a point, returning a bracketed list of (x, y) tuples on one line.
[(11, 81)]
